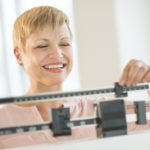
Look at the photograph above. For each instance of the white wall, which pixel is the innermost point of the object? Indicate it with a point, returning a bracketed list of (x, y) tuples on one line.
[(97, 42), (109, 34), (133, 29)]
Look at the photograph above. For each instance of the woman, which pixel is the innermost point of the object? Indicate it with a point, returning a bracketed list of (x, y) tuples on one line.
[(43, 48)]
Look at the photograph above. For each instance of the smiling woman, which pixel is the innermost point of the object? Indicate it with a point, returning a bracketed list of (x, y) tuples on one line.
[(46, 57), (43, 48), (20, 83)]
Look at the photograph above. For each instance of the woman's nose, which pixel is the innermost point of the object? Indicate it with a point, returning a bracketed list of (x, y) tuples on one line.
[(55, 52)]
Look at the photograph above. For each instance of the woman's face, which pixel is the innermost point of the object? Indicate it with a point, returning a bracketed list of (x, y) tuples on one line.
[(47, 58)]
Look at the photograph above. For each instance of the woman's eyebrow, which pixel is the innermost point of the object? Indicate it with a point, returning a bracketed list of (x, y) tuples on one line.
[(63, 38), (42, 40)]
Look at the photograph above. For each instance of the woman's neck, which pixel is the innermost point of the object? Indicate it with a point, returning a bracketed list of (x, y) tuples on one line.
[(43, 89)]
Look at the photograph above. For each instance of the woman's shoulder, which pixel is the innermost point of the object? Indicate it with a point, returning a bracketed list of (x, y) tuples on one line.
[(12, 114)]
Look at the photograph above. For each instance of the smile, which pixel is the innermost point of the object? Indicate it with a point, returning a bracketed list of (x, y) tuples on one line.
[(54, 67)]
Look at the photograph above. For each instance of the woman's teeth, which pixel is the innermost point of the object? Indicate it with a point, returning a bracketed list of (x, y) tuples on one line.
[(54, 66)]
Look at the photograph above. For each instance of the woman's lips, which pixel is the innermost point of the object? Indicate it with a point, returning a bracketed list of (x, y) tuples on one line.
[(55, 67)]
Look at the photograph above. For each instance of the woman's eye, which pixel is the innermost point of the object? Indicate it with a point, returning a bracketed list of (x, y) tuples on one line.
[(65, 44), (42, 46)]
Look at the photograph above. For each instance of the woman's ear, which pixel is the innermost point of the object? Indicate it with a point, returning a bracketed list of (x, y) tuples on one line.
[(17, 54)]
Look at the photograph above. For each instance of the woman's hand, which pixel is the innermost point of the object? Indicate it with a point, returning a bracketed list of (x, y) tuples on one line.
[(135, 71)]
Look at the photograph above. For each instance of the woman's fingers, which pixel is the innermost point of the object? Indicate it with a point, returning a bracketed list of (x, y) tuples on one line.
[(124, 75), (135, 71)]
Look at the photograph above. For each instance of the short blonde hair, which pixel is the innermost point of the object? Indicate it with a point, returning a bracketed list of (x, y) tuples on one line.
[(34, 18)]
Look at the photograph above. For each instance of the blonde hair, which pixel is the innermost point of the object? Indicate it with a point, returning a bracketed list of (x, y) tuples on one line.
[(34, 18)]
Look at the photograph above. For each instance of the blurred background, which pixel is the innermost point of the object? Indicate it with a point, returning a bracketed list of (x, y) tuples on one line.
[(106, 35)]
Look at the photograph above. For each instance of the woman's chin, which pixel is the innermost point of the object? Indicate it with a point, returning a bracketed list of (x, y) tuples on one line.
[(54, 82)]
